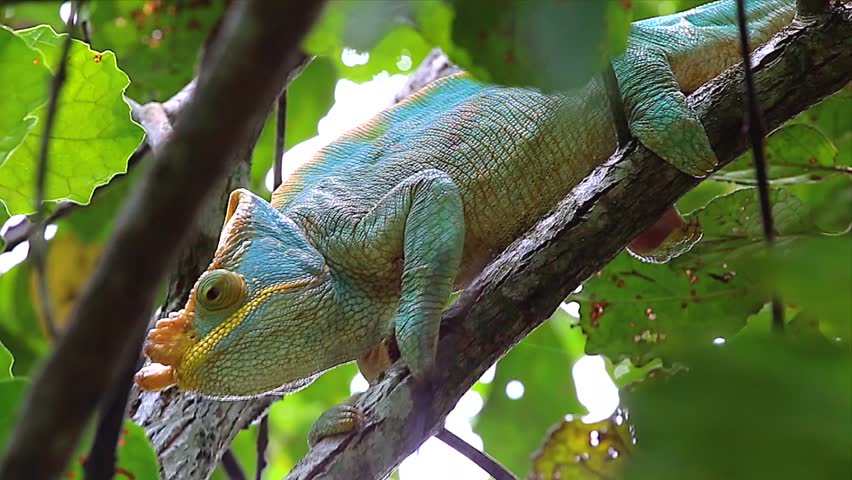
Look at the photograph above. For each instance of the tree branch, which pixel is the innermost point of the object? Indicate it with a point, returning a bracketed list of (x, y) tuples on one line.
[(523, 286), (240, 78)]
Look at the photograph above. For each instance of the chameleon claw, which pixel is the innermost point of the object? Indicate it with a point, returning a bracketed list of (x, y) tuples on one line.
[(337, 420), (155, 377)]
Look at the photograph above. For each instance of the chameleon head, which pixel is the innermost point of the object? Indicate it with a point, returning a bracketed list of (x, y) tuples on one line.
[(242, 332)]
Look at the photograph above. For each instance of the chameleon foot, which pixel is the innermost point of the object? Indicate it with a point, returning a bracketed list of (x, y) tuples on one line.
[(336, 420)]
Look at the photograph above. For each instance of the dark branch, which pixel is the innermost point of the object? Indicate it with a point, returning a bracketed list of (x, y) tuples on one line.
[(280, 136), (239, 80), (756, 131), (232, 466), (526, 283), (262, 445), (481, 459), (100, 463)]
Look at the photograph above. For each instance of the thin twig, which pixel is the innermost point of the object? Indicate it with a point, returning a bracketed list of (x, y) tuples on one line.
[(280, 131), (616, 105), (482, 459), (232, 466), (38, 245), (262, 445), (754, 123)]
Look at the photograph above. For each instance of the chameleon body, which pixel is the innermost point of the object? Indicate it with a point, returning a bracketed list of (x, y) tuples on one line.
[(364, 244)]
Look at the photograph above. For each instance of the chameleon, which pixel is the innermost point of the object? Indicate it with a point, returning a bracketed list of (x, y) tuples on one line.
[(357, 252)]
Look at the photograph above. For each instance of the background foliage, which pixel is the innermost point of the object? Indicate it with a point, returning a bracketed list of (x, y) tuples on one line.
[(751, 406)]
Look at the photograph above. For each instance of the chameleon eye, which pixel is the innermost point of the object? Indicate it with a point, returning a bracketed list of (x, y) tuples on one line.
[(220, 289)]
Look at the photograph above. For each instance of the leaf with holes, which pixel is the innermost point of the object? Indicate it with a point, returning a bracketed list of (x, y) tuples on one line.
[(584, 451), (641, 311), (93, 135)]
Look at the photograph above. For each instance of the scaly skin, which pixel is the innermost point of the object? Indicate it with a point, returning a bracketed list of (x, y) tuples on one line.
[(362, 246)]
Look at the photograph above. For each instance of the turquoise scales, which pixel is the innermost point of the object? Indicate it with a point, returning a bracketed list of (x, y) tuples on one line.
[(363, 245)]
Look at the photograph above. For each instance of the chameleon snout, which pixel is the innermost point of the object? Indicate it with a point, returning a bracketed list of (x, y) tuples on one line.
[(166, 345)]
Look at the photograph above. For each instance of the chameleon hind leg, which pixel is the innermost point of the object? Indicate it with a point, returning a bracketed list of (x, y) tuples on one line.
[(420, 220), (657, 112)]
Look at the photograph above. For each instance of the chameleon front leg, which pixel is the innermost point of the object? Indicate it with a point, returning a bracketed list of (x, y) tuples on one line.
[(421, 220), (657, 112)]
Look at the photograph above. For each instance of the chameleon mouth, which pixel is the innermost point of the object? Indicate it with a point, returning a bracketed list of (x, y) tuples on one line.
[(166, 345)]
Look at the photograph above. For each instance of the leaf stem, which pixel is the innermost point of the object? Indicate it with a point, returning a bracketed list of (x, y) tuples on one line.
[(754, 123)]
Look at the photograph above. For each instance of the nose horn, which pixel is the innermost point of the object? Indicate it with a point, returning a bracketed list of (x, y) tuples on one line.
[(170, 338)]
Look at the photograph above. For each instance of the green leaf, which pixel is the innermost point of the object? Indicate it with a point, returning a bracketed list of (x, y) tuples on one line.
[(754, 408), (19, 325), (157, 43), (551, 44), (584, 451), (135, 453), (795, 153), (831, 117), (543, 365), (28, 14), (642, 311), (6, 361), (93, 135), (24, 77), (12, 392), (813, 273)]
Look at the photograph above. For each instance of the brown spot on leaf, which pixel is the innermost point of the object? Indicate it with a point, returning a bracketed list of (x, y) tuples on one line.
[(598, 309), (619, 283), (97, 58), (510, 57), (36, 61), (649, 312)]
